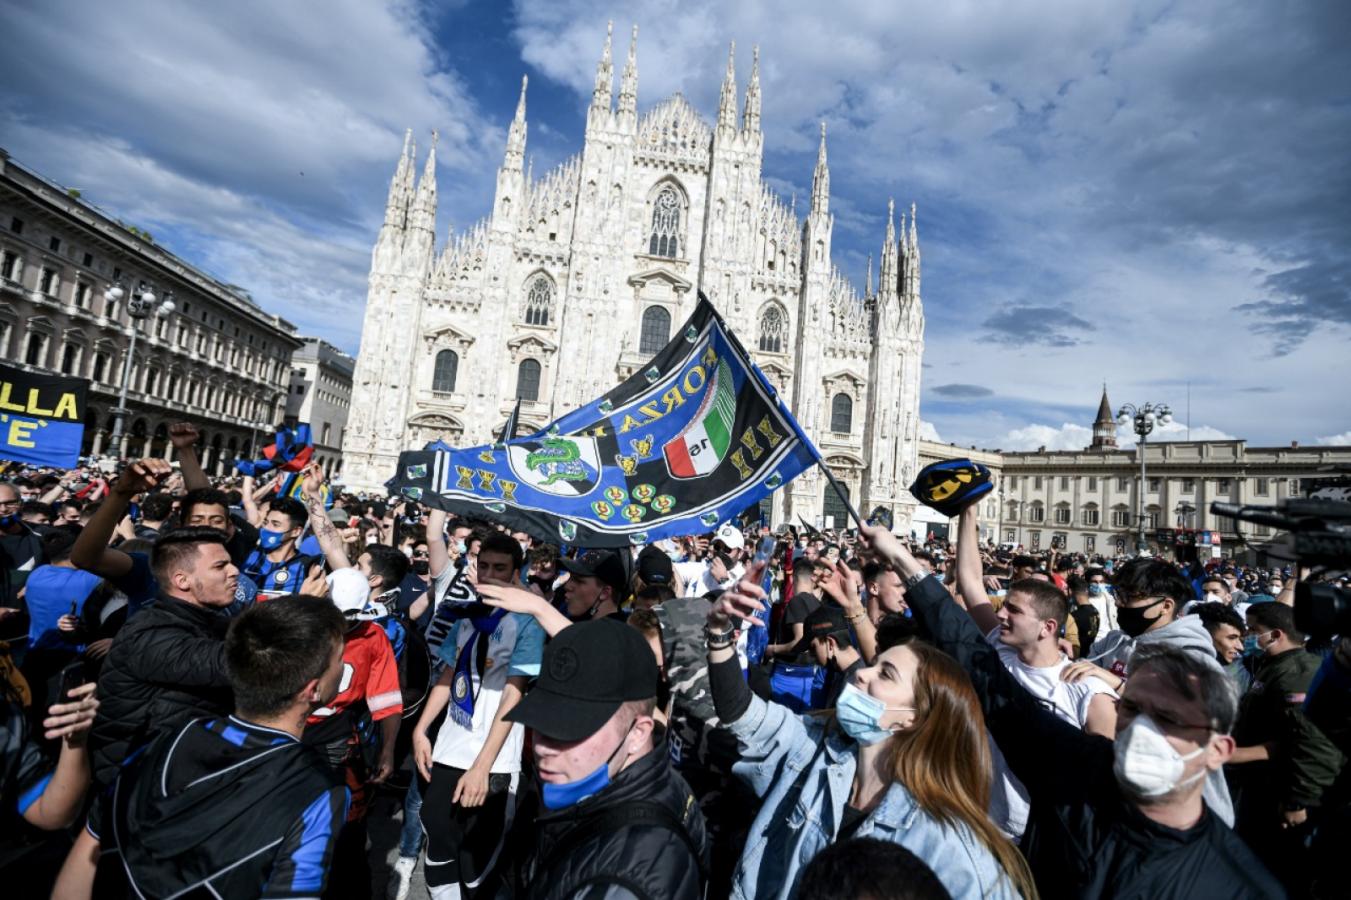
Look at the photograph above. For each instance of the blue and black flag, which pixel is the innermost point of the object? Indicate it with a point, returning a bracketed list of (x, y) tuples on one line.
[(679, 448), (41, 418)]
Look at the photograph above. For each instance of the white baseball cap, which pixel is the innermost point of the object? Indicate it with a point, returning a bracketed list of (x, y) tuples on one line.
[(730, 536), (350, 591)]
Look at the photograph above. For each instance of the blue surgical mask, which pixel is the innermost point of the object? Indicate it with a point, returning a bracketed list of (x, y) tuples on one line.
[(9, 521), (270, 540), (1098, 590), (562, 796), (860, 715), (460, 547)]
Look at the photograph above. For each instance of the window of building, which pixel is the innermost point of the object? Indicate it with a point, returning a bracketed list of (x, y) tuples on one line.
[(1121, 517), (327, 430), (16, 225), (842, 414), (1013, 481), (527, 380), (54, 244), (1064, 482), (833, 507), (70, 358), (300, 389), (151, 381), (1153, 485), (1261, 531), (1062, 514), (160, 324), (100, 366), (1036, 483), (10, 268), (539, 301), (1060, 539), (1036, 513), (37, 349), (1123, 484), (82, 295), (1092, 482), (1223, 486), (1090, 516), (1090, 543), (47, 282), (665, 239), (443, 373), (1010, 535), (1261, 486), (88, 260), (773, 330), (1152, 517), (1013, 510), (1034, 540), (656, 330), (1188, 485), (171, 391), (1292, 487)]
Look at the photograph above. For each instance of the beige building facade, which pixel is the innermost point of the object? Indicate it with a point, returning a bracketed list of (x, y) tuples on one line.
[(320, 394), (217, 360)]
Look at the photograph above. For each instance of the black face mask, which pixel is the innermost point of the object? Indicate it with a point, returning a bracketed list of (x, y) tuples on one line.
[(1133, 620), (421, 567)]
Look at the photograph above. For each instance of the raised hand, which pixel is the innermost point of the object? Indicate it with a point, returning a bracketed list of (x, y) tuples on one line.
[(142, 476), (741, 601), (183, 435), (510, 597), (72, 720)]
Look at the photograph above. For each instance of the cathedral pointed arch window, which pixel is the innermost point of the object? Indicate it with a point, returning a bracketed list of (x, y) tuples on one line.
[(539, 301), (842, 414), (527, 380), (773, 330), (444, 372), (666, 211), (656, 330)]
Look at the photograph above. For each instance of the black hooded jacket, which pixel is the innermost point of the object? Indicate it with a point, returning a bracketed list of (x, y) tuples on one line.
[(223, 808), (645, 861), (166, 667)]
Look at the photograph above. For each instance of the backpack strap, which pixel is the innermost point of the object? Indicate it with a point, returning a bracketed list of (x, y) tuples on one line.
[(615, 818)]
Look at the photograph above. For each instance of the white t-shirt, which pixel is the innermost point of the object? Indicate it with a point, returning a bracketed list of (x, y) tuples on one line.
[(514, 649), (1068, 701)]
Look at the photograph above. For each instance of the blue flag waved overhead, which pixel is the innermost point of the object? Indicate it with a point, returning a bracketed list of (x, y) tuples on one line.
[(679, 448), (41, 418)]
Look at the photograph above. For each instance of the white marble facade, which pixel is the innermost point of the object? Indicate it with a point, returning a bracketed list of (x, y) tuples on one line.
[(577, 277)]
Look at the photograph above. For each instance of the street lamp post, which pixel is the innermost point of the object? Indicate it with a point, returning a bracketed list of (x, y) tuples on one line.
[(141, 304), (1143, 418)]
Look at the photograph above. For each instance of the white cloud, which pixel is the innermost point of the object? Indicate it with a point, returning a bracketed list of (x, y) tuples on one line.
[(1071, 436), (927, 432), (1335, 440)]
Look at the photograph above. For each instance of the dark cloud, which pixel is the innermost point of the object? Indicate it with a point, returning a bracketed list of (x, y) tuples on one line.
[(961, 391), (1051, 326), (1258, 389)]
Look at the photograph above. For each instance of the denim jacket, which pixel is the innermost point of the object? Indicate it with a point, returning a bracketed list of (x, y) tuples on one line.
[(804, 776)]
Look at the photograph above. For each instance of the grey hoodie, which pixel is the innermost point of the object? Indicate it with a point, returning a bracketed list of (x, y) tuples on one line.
[(1114, 653)]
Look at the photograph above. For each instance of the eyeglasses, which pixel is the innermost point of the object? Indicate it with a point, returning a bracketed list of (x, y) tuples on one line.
[(422, 555), (10, 504)]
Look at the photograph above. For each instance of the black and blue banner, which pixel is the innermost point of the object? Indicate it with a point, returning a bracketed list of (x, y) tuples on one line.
[(680, 447), (41, 418)]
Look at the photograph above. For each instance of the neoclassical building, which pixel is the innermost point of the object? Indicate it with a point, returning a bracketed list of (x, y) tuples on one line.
[(217, 360), (575, 278), (320, 394)]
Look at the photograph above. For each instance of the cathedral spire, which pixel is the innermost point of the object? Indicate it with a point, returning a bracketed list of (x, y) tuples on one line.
[(914, 237), (426, 190), (888, 282), (605, 74), (1104, 426), (516, 134), (727, 105), (628, 83), (751, 120), (910, 258), (396, 208), (821, 178), (868, 290)]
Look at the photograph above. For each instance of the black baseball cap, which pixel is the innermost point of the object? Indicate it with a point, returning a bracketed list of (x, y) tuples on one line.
[(589, 670), (654, 567), (824, 622), (601, 564)]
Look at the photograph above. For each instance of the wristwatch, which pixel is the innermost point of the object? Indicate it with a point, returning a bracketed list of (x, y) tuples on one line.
[(718, 640)]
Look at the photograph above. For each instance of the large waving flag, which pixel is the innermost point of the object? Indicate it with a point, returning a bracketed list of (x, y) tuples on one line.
[(290, 451), (678, 448)]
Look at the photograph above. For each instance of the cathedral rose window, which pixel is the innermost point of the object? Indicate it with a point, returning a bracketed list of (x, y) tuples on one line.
[(539, 301)]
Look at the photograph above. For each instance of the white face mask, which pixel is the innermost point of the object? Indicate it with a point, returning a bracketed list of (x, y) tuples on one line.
[(1146, 764)]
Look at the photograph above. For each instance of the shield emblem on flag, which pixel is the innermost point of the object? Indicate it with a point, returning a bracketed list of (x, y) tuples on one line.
[(563, 466)]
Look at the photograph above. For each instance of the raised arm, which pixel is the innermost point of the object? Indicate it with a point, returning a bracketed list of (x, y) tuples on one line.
[(91, 551), (312, 492), (970, 581), (841, 588), (183, 436), (514, 598), (438, 557), (252, 513)]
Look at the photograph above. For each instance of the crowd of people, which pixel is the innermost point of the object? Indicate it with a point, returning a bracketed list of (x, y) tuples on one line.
[(215, 688)]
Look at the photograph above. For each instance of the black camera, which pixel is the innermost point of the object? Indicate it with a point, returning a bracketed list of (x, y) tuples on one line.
[(1318, 534)]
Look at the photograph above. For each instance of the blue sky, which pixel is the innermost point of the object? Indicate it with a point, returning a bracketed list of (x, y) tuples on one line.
[(1151, 194)]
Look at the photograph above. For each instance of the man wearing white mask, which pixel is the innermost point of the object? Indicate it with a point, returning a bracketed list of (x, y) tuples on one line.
[(1130, 820)]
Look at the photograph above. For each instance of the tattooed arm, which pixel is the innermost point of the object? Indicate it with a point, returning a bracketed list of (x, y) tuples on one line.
[(322, 526)]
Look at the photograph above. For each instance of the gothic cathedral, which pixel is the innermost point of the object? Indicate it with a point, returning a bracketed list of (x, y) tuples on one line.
[(578, 277)]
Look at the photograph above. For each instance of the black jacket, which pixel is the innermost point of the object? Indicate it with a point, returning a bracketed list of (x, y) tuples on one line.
[(649, 862), (166, 667), (1084, 839)]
